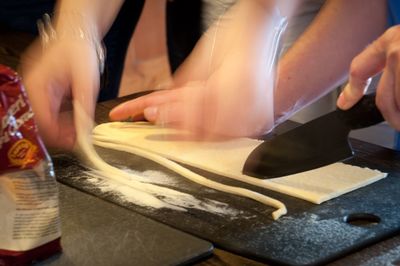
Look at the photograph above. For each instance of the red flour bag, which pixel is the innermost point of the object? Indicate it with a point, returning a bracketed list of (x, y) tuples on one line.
[(29, 215)]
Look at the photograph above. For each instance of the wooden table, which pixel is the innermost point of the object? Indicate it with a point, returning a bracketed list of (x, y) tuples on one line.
[(386, 252)]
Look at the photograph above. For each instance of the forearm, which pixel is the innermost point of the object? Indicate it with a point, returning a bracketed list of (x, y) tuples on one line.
[(319, 61), (95, 17), (240, 33)]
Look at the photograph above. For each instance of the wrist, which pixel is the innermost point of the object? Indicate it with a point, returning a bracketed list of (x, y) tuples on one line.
[(73, 24), (71, 27)]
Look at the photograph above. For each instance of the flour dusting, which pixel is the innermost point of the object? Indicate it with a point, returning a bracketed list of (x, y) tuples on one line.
[(152, 176), (158, 197)]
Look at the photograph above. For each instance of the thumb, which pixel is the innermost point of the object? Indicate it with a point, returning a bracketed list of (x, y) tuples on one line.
[(352, 93), (85, 87)]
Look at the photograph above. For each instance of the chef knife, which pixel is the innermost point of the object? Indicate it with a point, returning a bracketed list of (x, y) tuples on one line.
[(315, 144)]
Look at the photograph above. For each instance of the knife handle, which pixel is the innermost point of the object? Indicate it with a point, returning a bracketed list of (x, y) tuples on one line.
[(364, 114)]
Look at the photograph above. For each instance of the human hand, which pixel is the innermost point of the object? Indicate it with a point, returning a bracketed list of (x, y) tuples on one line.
[(383, 55), (67, 69), (225, 87)]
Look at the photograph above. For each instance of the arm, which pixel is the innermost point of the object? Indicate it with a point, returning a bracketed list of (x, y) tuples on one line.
[(94, 16), (66, 68), (225, 86), (319, 60)]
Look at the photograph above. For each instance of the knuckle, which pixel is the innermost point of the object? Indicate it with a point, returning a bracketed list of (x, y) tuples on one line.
[(378, 100), (391, 40), (382, 105), (395, 122), (393, 54), (392, 32), (354, 70)]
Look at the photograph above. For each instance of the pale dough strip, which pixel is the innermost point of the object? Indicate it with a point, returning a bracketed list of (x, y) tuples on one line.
[(84, 144), (114, 144), (227, 158)]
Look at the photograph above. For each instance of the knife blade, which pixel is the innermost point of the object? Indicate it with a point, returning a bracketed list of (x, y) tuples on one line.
[(317, 143)]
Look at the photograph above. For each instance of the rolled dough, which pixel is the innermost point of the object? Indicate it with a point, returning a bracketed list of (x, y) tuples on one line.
[(147, 192), (226, 158)]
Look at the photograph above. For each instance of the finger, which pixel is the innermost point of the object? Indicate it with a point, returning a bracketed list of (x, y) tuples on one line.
[(385, 98), (394, 65), (45, 101), (134, 108), (184, 114), (86, 80), (165, 114), (61, 128), (367, 64), (351, 95), (66, 134)]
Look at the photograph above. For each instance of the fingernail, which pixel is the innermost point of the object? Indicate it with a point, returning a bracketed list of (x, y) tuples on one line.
[(341, 101), (114, 112), (150, 113)]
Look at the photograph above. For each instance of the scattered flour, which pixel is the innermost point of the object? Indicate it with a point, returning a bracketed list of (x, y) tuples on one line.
[(159, 197), (152, 176)]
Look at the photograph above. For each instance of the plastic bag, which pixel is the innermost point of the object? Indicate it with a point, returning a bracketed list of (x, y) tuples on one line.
[(29, 212)]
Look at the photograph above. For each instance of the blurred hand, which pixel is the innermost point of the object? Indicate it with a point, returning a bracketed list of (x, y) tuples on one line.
[(65, 70), (381, 55), (225, 87)]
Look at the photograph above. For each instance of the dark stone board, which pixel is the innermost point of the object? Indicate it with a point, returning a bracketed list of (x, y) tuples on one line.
[(97, 232), (309, 234)]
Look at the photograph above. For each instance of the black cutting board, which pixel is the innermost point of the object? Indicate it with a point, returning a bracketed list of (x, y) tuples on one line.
[(308, 235), (97, 232)]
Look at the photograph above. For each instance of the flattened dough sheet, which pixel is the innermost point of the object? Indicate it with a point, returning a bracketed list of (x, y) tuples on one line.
[(226, 158)]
